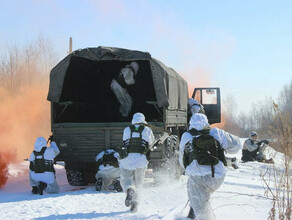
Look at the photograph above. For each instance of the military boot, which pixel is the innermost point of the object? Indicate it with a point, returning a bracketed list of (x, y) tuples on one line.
[(129, 198), (118, 186), (98, 184), (234, 164), (134, 207), (41, 187), (34, 190), (191, 214)]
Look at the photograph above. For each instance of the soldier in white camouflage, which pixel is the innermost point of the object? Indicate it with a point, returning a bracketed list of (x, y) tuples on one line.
[(41, 169), (125, 78), (253, 149), (202, 156), (108, 174), (138, 140)]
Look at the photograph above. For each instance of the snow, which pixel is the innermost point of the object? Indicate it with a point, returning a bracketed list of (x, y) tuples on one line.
[(240, 197)]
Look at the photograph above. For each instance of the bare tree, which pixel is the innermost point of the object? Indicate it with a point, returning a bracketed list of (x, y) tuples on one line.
[(278, 178), (27, 65)]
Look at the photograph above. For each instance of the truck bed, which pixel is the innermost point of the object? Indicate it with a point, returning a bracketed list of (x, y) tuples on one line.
[(83, 141)]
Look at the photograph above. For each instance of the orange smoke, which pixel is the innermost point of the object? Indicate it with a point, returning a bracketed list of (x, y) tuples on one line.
[(196, 78), (25, 116), (5, 159)]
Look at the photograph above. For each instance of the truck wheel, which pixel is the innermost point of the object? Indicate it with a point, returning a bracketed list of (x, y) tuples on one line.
[(76, 178), (171, 157)]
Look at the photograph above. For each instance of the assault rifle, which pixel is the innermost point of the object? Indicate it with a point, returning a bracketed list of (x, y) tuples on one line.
[(160, 140), (263, 141), (50, 139)]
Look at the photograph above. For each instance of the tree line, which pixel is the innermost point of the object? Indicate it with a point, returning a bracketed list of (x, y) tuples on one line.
[(263, 116), (27, 65)]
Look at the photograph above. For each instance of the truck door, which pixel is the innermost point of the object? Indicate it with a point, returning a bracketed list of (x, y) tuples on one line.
[(210, 99)]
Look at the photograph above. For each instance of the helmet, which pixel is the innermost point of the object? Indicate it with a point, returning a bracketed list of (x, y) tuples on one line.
[(138, 118), (253, 133), (195, 107), (40, 143)]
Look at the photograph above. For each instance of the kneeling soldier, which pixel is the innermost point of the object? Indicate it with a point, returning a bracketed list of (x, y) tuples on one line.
[(41, 169), (108, 173)]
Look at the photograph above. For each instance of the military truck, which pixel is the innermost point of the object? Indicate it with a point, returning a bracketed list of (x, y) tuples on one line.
[(85, 118)]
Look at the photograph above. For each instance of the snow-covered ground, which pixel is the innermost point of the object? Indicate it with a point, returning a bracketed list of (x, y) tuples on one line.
[(240, 197)]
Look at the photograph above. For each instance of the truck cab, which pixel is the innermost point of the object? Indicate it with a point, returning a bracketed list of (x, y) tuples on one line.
[(211, 100)]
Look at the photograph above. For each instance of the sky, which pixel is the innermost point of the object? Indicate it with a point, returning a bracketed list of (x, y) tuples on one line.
[(243, 47)]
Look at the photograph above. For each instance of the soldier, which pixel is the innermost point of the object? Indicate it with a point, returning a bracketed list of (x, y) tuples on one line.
[(195, 107), (108, 173), (125, 78), (138, 139), (41, 168), (253, 149), (202, 157)]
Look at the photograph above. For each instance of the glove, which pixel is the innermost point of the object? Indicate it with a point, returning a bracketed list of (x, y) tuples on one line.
[(50, 139), (259, 143)]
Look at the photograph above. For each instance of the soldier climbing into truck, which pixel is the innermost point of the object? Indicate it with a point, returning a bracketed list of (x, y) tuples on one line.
[(119, 85)]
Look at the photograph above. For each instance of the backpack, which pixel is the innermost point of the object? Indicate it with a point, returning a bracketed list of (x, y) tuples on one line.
[(204, 148), (134, 144), (108, 159), (40, 164)]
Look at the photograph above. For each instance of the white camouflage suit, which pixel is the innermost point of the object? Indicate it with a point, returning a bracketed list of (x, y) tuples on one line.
[(252, 145), (46, 177), (134, 165), (121, 93), (107, 172), (201, 184)]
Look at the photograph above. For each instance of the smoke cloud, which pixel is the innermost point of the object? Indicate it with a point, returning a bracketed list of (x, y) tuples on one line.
[(25, 116), (5, 158), (24, 110)]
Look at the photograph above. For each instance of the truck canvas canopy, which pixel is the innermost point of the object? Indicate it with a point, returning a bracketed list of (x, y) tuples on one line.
[(80, 86)]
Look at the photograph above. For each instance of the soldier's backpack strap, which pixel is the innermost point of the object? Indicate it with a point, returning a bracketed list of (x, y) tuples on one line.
[(41, 152), (195, 132), (138, 129)]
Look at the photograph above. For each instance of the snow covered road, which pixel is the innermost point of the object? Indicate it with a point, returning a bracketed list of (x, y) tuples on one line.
[(241, 197)]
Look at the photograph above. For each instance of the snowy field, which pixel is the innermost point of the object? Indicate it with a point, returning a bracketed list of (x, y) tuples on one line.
[(241, 197)]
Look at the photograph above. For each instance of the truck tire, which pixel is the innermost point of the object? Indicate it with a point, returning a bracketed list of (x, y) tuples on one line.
[(76, 178), (172, 157)]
